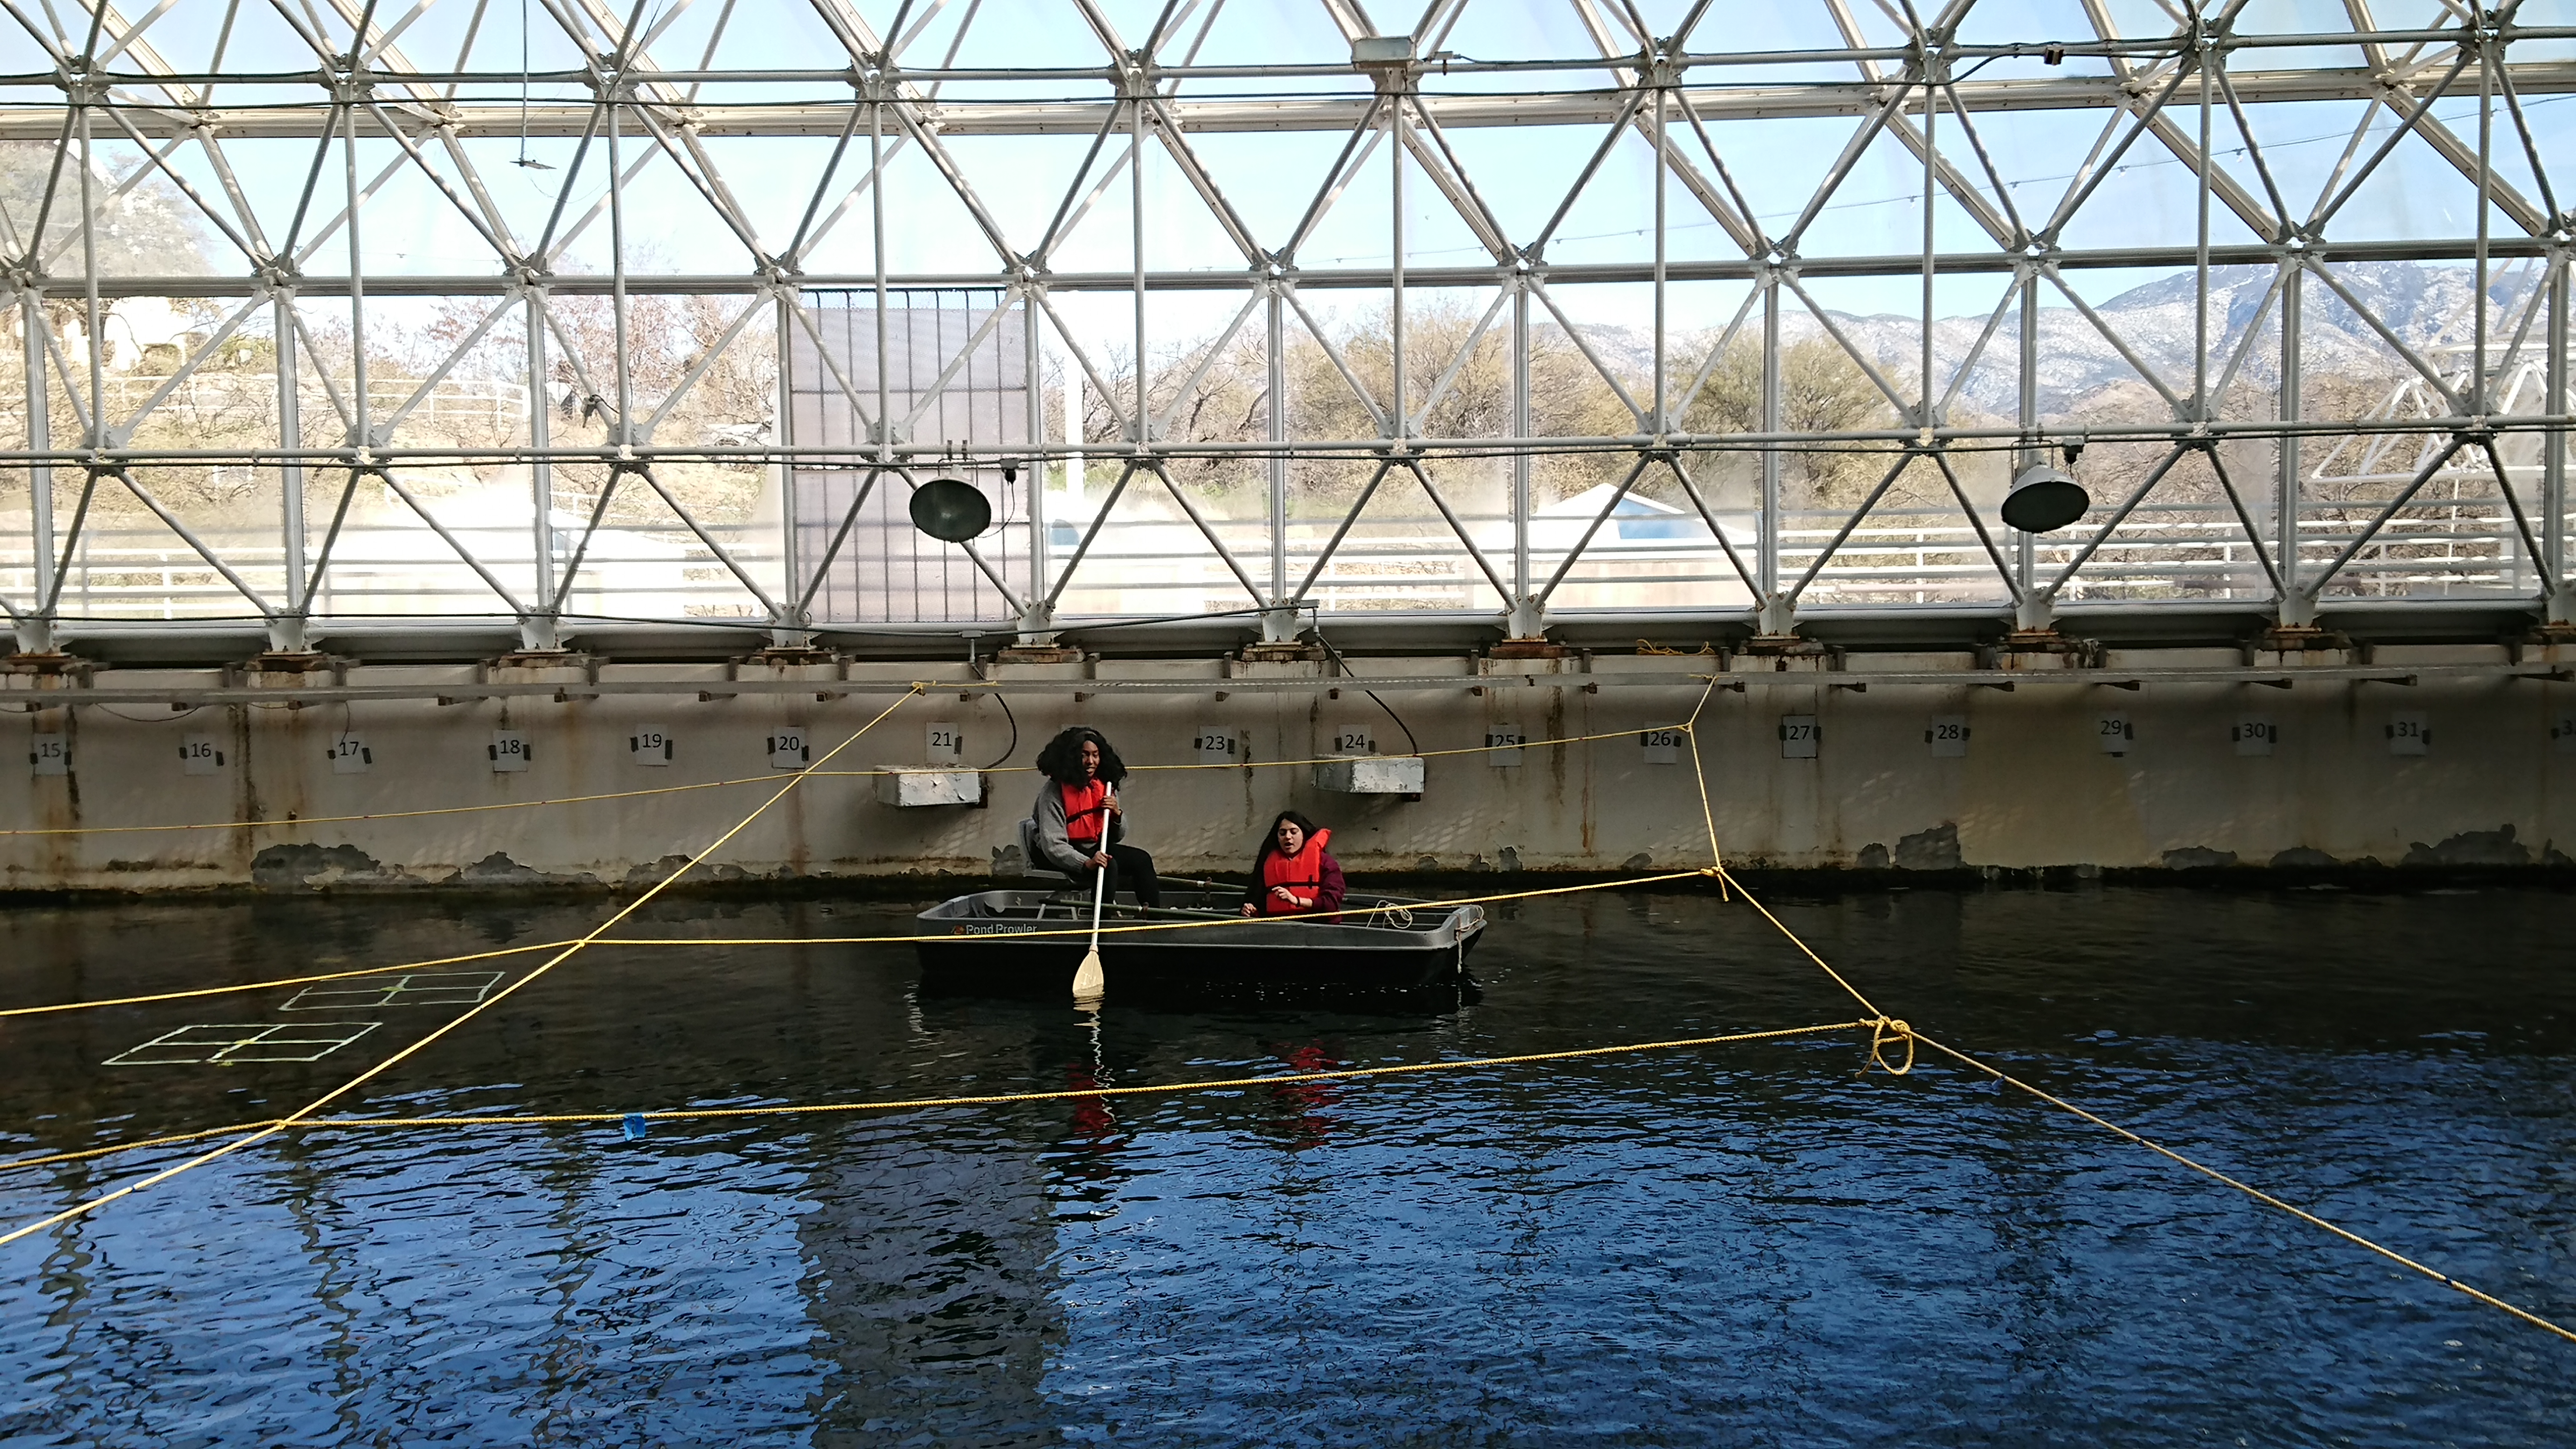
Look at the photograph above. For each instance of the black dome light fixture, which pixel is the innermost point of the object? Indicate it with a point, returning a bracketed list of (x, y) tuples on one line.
[(2047, 498), (951, 510)]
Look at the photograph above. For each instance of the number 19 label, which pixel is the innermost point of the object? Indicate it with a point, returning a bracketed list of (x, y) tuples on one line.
[(650, 745)]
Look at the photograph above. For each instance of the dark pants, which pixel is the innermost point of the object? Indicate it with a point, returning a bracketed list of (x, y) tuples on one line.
[(1130, 869)]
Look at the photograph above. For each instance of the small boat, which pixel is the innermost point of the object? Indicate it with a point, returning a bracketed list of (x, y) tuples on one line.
[(1008, 941)]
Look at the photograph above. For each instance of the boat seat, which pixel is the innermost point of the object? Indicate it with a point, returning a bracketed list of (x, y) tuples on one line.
[(1030, 858)]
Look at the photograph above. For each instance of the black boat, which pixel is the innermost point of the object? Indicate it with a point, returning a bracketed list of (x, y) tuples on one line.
[(1032, 939)]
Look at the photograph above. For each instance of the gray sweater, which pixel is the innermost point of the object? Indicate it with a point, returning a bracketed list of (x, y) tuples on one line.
[(1053, 846)]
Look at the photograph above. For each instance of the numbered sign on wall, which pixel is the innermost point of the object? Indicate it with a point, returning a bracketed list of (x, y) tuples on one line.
[(1503, 745), (1799, 737), (350, 755), (1660, 747), (1351, 740), (2113, 734), (2254, 734), (200, 755), (2562, 732), (1217, 745), (650, 744), (508, 752), (2409, 733), (789, 749), (51, 755), (944, 744), (1948, 736)]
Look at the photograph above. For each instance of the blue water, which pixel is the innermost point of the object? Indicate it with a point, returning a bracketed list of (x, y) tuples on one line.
[(1737, 1245)]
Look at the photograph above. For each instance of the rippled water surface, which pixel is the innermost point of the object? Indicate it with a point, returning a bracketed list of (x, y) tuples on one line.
[(1749, 1244)]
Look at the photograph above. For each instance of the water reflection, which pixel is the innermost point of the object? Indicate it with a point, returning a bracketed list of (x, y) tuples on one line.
[(1753, 1243)]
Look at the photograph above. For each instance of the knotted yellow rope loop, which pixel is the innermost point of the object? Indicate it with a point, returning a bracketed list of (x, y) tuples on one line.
[(1881, 1030)]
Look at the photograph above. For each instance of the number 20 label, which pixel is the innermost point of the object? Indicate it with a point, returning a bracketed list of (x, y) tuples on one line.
[(788, 749)]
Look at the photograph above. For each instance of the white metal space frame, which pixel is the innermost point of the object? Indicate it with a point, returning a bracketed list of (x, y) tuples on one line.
[(2169, 78)]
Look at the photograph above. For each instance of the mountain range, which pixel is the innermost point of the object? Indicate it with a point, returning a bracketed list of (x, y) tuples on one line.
[(2427, 306)]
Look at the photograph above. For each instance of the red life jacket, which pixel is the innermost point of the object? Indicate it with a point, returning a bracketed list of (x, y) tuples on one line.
[(1302, 874), (1086, 815)]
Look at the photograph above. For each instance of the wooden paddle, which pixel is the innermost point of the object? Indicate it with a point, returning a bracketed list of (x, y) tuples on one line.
[(1089, 982)]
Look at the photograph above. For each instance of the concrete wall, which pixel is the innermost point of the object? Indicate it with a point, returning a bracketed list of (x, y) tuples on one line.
[(2033, 787)]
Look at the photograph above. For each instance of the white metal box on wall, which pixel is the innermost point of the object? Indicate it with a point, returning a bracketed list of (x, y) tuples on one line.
[(907, 789), (1371, 775)]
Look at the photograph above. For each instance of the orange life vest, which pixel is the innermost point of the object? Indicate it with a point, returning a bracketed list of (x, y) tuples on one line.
[(1086, 815), (1302, 874)]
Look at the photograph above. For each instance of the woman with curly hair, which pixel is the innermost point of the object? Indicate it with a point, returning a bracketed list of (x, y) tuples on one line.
[(1080, 825)]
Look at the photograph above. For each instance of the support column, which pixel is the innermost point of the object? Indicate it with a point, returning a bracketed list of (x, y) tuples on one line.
[(1278, 622), (2553, 453), (1526, 621), (2297, 610), (1774, 615), (541, 629), (289, 628), (2035, 611), (35, 628), (1033, 361), (1402, 416), (793, 627)]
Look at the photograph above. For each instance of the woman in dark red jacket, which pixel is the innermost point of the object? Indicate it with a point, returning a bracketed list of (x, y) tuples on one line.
[(1293, 876)]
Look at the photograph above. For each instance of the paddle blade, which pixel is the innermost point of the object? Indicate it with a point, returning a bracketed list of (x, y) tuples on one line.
[(1089, 984)]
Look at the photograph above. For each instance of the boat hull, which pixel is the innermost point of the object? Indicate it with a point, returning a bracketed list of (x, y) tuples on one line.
[(1004, 941)]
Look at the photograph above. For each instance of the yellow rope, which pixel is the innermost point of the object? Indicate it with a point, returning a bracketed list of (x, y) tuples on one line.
[(114, 1148), (690, 1114), (1707, 814), (2256, 1193), (739, 780), (392, 814), (686, 1114), (281, 981), (92, 1204), (1085, 930), (1416, 754), (1809, 951), (1109, 930), (1884, 1029)]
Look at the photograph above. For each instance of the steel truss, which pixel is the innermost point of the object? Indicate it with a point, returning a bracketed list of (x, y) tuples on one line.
[(2454, 487)]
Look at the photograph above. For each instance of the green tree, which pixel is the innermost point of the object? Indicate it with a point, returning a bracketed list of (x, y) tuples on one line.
[(1821, 391)]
